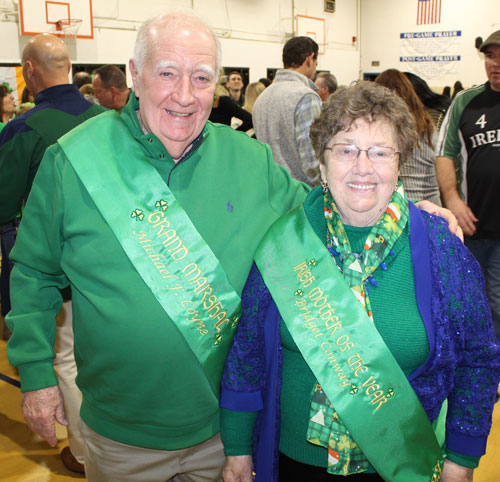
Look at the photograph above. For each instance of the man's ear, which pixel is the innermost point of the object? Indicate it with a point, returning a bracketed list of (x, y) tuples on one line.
[(28, 69), (135, 76), (309, 59)]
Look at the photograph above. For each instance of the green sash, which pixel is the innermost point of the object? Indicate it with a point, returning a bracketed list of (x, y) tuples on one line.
[(160, 240), (347, 355)]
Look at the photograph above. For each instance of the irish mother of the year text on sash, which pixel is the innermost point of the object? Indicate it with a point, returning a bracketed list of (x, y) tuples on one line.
[(346, 353)]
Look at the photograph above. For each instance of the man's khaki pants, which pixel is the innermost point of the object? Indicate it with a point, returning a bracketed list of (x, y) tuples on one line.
[(110, 461), (65, 368)]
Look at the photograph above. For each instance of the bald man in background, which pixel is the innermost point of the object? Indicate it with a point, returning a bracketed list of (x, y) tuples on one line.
[(59, 107)]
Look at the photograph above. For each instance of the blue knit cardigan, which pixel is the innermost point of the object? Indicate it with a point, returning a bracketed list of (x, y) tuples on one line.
[(463, 365)]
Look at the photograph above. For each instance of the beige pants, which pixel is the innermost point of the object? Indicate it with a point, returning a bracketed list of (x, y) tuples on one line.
[(65, 368), (110, 461)]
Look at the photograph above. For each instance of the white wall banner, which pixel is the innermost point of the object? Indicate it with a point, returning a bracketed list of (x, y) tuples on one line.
[(431, 55)]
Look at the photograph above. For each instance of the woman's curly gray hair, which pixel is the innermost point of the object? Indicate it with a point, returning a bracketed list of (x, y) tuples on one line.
[(368, 101)]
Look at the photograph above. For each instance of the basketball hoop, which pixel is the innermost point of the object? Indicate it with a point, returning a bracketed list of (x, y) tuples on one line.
[(67, 27)]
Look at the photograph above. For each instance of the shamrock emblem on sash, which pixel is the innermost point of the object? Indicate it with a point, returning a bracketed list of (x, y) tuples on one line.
[(161, 204), (354, 389), (137, 214), (218, 339), (299, 292)]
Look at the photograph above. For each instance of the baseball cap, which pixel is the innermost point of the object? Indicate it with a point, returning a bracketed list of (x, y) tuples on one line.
[(493, 39)]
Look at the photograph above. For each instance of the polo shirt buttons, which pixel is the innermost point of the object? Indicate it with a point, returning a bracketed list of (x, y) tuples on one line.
[(162, 156), (150, 140)]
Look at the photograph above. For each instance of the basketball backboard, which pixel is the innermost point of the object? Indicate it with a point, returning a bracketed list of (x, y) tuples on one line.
[(64, 18)]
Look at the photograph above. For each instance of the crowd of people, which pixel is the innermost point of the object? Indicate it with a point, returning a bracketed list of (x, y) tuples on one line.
[(206, 304)]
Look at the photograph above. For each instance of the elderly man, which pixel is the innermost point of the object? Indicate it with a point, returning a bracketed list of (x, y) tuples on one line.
[(156, 237), (110, 87), (470, 136), (59, 107), (156, 242), (284, 112), (327, 85)]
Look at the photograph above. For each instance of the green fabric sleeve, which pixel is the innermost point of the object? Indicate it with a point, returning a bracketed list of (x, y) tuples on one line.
[(36, 279), (464, 460), (236, 431)]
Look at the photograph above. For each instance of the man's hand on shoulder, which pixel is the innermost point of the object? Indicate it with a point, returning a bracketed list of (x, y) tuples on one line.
[(464, 214), (41, 408), (453, 224)]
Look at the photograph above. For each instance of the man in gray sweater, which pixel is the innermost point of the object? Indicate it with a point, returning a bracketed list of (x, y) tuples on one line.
[(284, 112)]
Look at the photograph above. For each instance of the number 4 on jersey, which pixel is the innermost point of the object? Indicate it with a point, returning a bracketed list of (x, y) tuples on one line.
[(482, 121)]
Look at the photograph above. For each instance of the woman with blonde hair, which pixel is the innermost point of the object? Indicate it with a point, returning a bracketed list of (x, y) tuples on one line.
[(252, 91)]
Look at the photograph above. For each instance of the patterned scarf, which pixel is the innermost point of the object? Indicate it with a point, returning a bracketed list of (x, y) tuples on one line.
[(325, 427)]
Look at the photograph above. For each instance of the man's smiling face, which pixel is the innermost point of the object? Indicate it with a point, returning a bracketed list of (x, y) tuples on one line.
[(177, 84)]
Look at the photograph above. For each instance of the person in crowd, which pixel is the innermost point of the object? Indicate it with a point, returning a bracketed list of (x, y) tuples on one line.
[(110, 86), (436, 104), (469, 139), (457, 87), (225, 110), (418, 173), (283, 114), (234, 85), (87, 90), (156, 238), (59, 108), (252, 91), (82, 78), (447, 91), (22, 108), (7, 106), (27, 96), (362, 319), (327, 85)]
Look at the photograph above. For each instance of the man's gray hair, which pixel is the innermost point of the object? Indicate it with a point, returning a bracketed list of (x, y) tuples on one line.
[(328, 80), (169, 18)]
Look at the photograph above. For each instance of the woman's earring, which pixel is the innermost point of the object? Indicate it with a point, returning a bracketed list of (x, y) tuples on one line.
[(324, 185)]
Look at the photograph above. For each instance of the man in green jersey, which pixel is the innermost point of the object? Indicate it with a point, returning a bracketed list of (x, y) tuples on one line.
[(470, 138)]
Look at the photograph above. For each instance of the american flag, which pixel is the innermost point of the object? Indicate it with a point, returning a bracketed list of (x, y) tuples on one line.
[(428, 11)]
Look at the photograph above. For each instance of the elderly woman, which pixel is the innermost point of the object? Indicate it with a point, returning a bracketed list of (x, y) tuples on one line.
[(366, 339)]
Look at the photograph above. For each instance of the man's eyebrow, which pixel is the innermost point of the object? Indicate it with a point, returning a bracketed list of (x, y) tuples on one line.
[(206, 68), (165, 64)]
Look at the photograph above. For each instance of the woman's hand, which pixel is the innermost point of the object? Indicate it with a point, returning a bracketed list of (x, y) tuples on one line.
[(238, 469), (453, 472), (432, 208)]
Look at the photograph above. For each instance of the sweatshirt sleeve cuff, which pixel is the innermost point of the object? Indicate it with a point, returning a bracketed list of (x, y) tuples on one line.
[(464, 460), (37, 375), (236, 432)]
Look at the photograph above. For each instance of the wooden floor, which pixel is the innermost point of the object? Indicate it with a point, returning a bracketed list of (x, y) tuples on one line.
[(24, 457)]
